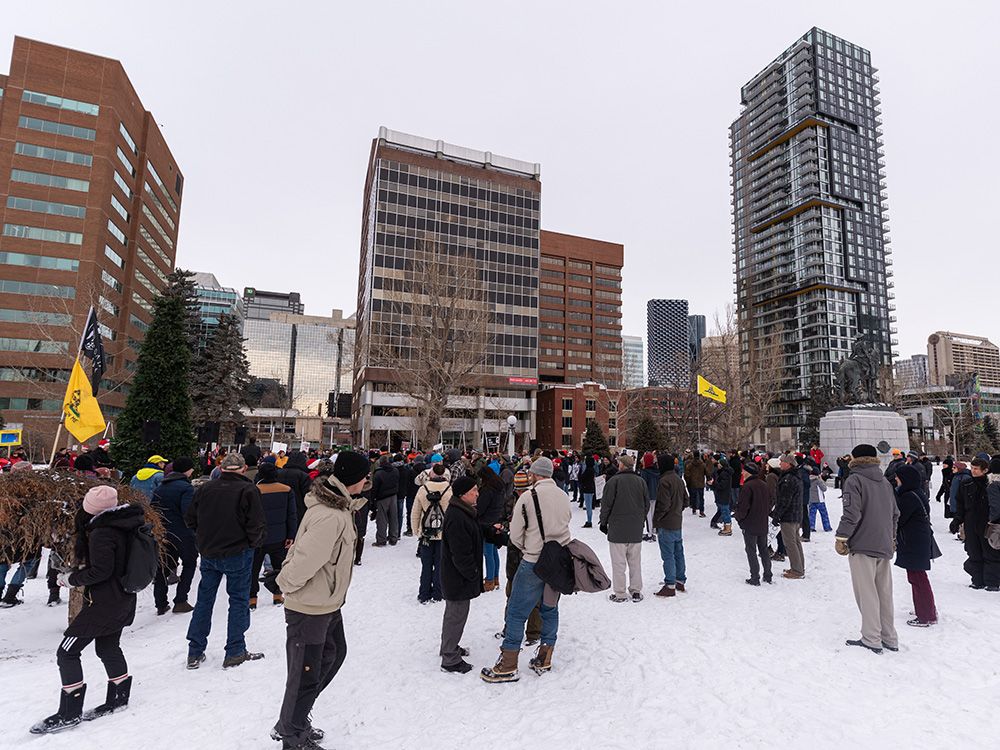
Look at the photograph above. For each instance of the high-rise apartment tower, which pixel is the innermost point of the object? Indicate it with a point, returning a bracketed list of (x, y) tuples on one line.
[(668, 343)]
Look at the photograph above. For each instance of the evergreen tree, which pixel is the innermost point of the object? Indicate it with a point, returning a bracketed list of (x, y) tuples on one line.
[(646, 436), (160, 388), (594, 441), (990, 431), (220, 384)]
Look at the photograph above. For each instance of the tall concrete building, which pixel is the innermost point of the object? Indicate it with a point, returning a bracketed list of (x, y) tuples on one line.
[(214, 301), (912, 372), (950, 354), (426, 202), (668, 343), (633, 362), (580, 301), (696, 334), (90, 200), (810, 224)]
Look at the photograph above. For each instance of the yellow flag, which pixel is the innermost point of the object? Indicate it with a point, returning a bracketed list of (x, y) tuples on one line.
[(83, 413), (708, 390)]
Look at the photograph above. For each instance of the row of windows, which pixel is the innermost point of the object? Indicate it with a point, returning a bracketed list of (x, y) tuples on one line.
[(59, 102), (8, 315), (37, 346), (49, 180), (31, 404), (159, 205), (159, 182), (36, 290), (115, 257), (46, 207), (56, 128), (149, 262), (40, 233), (40, 374), (111, 281), (144, 233), (39, 261), (156, 226), (53, 154)]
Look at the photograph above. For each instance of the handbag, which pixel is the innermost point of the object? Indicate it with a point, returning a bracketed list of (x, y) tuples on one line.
[(555, 563)]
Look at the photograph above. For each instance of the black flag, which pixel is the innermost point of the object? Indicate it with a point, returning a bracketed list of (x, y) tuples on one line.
[(93, 347)]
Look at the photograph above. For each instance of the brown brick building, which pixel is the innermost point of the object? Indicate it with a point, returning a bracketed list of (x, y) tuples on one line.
[(579, 328), (89, 207), (565, 410)]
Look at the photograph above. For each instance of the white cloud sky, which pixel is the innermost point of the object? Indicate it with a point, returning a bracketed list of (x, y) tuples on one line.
[(270, 109)]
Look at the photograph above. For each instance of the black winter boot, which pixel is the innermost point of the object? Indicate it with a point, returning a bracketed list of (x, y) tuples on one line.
[(116, 700), (68, 716), (54, 598), (10, 597)]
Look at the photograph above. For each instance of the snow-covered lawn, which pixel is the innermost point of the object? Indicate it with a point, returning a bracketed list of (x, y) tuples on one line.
[(724, 665)]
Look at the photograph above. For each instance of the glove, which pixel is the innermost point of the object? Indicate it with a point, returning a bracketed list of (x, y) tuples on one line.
[(63, 580), (841, 545), (604, 528), (954, 525)]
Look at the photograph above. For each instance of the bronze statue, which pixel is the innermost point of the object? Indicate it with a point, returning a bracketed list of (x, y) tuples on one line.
[(857, 376)]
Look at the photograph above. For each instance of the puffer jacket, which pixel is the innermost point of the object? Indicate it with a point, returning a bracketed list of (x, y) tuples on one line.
[(788, 498), (317, 572), (870, 513)]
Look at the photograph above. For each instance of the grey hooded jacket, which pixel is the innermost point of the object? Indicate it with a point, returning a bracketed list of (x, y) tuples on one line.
[(870, 512)]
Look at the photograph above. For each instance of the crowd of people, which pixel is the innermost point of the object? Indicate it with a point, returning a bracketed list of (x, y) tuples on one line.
[(297, 523)]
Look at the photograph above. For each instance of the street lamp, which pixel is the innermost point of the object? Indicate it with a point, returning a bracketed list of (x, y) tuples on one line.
[(946, 413), (511, 421)]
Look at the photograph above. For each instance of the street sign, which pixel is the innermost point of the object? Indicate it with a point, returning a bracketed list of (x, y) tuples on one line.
[(10, 438)]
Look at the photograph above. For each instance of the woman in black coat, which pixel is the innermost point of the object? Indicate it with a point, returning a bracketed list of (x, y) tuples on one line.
[(489, 511), (914, 543), (104, 530), (462, 537), (588, 488)]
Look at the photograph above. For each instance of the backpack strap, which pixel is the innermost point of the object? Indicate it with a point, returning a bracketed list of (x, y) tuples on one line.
[(538, 514)]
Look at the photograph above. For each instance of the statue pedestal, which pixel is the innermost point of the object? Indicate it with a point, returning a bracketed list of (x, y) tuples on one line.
[(842, 429)]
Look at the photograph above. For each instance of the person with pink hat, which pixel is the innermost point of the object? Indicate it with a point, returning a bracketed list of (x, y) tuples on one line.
[(104, 530)]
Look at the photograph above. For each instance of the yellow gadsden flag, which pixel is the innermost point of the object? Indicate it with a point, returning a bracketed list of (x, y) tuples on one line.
[(83, 413), (708, 390)]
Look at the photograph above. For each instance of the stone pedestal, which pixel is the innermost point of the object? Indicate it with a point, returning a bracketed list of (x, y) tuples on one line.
[(842, 429)]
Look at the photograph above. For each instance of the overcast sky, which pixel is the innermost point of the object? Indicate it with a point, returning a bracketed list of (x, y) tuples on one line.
[(270, 108)]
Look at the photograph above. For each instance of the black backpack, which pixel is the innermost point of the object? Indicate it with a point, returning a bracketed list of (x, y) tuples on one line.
[(434, 518), (142, 560)]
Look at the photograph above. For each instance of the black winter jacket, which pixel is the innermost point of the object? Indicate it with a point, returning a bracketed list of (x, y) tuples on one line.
[(913, 530), (973, 505), (227, 516), (587, 474), (788, 498), (403, 483), (296, 475), (172, 499), (107, 606), (462, 551), (385, 482), (490, 506), (278, 502), (722, 485)]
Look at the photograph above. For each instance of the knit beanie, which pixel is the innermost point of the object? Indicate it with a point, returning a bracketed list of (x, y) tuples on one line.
[(462, 485), (541, 467), (100, 497), (864, 451), (350, 467)]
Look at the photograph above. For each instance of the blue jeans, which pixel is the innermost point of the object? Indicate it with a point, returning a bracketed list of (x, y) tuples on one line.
[(824, 516), (400, 503), (525, 593), (430, 570), (236, 569), (725, 512), (19, 575), (672, 554), (492, 561), (588, 503)]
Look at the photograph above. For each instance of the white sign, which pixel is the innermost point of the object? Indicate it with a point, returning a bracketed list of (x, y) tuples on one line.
[(305, 446), (278, 447)]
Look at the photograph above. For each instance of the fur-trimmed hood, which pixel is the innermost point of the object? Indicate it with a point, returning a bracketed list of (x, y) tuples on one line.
[(863, 461), (331, 492)]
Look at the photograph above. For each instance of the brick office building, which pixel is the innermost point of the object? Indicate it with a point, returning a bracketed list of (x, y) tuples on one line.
[(579, 328), (89, 207), (565, 410)]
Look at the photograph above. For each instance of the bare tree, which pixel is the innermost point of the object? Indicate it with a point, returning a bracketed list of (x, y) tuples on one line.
[(436, 330)]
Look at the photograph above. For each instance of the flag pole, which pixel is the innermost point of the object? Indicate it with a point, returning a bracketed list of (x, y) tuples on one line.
[(62, 413)]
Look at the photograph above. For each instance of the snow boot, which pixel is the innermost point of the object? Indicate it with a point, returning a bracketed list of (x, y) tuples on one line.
[(54, 598), (10, 597), (541, 662), (193, 662), (618, 599), (68, 716), (505, 670), (116, 700), (235, 661), (861, 643), (315, 734), (162, 610), (460, 668), (307, 744), (253, 603), (680, 586), (182, 608), (667, 591), (488, 584), (278, 600), (727, 530)]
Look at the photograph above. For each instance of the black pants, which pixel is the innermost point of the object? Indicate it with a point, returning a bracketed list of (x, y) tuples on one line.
[(780, 549), (361, 525), (983, 565), (277, 552), (188, 556), (109, 651), (315, 649), (806, 528), (756, 545)]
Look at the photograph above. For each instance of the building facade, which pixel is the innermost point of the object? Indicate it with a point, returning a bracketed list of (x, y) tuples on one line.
[(912, 372), (258, 304), (90, 199), (696, 334), (668, 343), (564, 411), (950, 354), (633, 362), (214, 301), (813, 266), (427, 200), (580, 298)]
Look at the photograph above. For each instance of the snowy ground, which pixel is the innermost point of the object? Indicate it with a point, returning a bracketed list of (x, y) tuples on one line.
[(724, 665)]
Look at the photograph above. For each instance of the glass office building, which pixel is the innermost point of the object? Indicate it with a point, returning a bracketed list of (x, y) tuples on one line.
[(214, 301), (813, 268)]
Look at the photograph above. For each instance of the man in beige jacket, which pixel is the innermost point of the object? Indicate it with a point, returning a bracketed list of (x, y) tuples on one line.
[(314, 578), (528, 590)]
